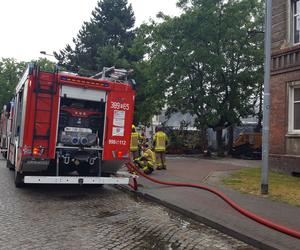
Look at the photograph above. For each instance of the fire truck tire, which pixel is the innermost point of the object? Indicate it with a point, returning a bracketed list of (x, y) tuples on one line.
[(19, 179), (9, 165)]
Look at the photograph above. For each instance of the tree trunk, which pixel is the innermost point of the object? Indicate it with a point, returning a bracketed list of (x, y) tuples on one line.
[(220, 144), (204, 142), (260, 112), (230, 139)]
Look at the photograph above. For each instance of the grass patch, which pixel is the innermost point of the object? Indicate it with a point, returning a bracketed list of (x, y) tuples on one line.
[(282, 187)]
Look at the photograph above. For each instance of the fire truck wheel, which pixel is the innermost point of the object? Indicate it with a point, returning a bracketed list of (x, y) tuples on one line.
[(19, 179), (9, 165)]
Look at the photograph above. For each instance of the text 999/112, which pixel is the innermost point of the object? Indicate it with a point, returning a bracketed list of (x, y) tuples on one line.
[(117, 142)]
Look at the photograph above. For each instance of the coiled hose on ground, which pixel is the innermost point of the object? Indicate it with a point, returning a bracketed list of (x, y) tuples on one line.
[(132, 168)]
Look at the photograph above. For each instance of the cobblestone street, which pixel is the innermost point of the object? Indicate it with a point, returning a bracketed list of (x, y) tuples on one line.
[(73, 217)]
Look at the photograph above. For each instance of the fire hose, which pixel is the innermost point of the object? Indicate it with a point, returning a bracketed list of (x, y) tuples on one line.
[(132, 168)]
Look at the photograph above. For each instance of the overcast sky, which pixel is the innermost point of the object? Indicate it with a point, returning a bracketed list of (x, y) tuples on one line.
[(30, 26)]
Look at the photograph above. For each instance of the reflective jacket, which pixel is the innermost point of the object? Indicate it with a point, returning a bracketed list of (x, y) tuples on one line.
[(134, 143), (160, 141), (149, 155)]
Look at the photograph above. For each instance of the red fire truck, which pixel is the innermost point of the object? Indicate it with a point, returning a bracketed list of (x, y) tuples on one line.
[(64, 128)]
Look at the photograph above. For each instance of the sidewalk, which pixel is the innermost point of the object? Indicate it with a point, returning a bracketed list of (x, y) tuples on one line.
[(213, 211)]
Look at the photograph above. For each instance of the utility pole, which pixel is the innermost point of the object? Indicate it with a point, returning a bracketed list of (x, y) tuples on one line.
[(266, 110)]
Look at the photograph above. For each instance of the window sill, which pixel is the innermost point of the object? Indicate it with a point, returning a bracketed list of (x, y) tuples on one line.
[(293, 135)]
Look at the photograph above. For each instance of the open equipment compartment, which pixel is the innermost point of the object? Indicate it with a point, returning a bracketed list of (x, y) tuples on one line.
[(80, 130)]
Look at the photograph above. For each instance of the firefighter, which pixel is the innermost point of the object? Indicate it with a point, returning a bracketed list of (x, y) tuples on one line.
[(160, 142), (143, 139), (134, 144), (147, 160)]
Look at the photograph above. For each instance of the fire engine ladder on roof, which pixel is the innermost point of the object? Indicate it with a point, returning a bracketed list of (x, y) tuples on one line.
[(113, 74), (44, 91)]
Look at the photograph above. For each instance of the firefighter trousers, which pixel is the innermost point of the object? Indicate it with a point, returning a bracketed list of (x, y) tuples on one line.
[(146, 166), (160, 159), (134, 155)]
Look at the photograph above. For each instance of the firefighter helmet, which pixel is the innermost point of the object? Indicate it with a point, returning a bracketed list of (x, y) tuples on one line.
[(158, 128)]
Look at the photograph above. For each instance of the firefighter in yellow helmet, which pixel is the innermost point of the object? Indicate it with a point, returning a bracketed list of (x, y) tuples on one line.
[(147, 160), (134, 144), (160, 142)]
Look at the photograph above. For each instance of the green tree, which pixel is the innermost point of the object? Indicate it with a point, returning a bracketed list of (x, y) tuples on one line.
[(10, 72), (207, 61), (150, 96), (104, 41), (45, 64)]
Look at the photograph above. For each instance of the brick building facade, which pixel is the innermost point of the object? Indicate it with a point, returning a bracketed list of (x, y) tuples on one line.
[(285, 87)]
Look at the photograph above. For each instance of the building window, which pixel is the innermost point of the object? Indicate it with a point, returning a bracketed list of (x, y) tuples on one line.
[(296, 20), (294, 109)]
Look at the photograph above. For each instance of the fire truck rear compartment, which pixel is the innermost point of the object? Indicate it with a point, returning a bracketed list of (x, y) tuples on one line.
[(80, 135), (81, 122)]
